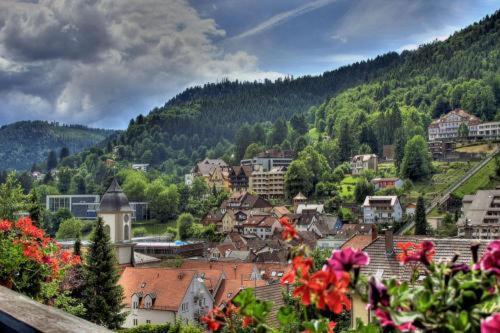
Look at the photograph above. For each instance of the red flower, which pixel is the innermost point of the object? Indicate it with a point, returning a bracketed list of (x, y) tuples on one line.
[(212, 324), (289, 231), (423, 252), (33, 252), (490, 262), (491, 324), (28, 229), (5, 226), (299, 265), (346, 259), (247, 321), (331, 326)]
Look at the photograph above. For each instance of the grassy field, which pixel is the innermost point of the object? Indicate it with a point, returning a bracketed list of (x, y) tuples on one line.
[(446, 174), (152, 227), (481, 148), (346, 188), (483, 179)]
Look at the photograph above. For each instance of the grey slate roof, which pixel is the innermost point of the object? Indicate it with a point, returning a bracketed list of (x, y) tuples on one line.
[(385, 266), (114, 200)]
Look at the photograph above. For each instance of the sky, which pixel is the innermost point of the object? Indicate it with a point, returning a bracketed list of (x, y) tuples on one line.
[(102, 62)]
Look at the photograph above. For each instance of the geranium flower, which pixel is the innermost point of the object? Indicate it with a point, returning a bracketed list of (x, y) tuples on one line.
[(423, 252), (289, 231), (212, 324), (28, 229), (299, 265), (5, 226), (346, 259), (490, 262), (378, 294), (491, 324), (247, 321)]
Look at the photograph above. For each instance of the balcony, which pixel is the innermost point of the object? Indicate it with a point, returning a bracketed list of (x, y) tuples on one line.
[(19, 314)]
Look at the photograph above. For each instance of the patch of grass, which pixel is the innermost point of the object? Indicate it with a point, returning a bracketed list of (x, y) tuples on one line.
[(387, 169), (149, 229), (483, 179), (346, 187), (481, 148)]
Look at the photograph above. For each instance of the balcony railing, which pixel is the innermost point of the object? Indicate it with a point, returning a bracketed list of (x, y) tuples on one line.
[(19, 314)]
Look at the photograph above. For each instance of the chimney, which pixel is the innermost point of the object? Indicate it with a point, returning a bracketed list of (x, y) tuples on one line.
[(374, 232), (389, 242), (180, 275)]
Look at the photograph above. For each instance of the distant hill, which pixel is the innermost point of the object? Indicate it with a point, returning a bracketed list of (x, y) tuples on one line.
[(205, 119), (26, 142)]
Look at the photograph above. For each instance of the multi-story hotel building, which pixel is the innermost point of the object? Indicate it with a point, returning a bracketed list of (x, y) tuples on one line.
[(268, 184)]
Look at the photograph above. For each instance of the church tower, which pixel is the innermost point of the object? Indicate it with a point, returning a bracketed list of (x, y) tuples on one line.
[(116, 214)]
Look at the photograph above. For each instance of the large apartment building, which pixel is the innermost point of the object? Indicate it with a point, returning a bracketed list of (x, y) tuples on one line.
[(480, 215), (446, 128), (268, 183), (270, 159)]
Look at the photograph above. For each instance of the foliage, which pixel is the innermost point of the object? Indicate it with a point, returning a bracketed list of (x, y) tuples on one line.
[(184, 222), (12, 198), (102, 296), (69, 229), (421, 227), (363, 189), (178, 327), (416, 162), (298, 179), (33, 264)]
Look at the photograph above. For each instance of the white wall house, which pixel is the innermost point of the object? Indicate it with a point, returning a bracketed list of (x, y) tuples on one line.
[(159, 295), (382, 209)]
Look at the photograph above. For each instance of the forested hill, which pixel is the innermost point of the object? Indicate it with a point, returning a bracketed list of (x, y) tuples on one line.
[(198, 121), (26, 142)]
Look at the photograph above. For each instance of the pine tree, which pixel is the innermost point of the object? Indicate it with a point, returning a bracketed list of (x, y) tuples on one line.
[(63, 153), (102, 296), (420, 219), (51, 161), (399, 150), (77, 247), (345, 141)]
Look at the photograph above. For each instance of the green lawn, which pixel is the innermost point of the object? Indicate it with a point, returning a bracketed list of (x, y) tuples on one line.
[(346, 188), (387, 169), (153, 227), (483, 179)]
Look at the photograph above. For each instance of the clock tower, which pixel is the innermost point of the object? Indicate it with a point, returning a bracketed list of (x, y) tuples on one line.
[(116, 214)]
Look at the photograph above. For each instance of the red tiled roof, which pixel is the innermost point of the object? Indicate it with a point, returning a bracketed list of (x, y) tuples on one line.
[(153, 281), (358, 242)]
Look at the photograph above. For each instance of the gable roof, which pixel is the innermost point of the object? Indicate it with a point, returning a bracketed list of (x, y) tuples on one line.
[(274, 294), (358, 242), (207, 166), (168, 296), (380, 201), (386, 266)]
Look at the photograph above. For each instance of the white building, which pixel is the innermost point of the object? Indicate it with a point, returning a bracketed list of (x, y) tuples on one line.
[(263, 226), (382, 209), (161, 295), (268, 183), (480, 215), (140, 166), (446, 127)]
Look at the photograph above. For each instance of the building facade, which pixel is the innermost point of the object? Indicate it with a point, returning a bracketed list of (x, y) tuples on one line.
[(447, 126), (381, 183), (359, 163), (82, 206), (270, 159), (382, 209), (268, 184), (480, 217), (239, 177)]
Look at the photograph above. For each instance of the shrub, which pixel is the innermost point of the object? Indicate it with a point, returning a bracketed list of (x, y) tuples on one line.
[(140, 232)]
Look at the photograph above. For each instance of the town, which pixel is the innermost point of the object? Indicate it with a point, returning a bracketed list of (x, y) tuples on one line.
[(365, 199)]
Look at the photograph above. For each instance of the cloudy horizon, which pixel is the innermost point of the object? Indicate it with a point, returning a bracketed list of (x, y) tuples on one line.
[(101, 62)]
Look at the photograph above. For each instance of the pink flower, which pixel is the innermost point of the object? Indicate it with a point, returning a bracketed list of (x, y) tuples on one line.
[(491, 324), (346, 259), (378, 294), (490, 262), (386, 321)]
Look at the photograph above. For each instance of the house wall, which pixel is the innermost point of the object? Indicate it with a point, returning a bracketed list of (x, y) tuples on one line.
[(142, 315), (358, 311), (196, 289)]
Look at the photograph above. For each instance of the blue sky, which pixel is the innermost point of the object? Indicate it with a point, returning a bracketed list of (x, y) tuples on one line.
[(102, 62)]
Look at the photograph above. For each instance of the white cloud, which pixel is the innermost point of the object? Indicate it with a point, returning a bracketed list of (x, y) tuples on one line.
[(119, 57)]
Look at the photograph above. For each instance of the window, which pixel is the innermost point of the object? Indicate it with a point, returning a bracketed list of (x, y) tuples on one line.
[(126, 233), (184, 306), (148, 321), (135, 322)]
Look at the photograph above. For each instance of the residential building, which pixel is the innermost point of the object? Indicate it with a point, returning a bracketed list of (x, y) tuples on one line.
[(268, 183), (270, 159), (37, 175), (382, 183), (246, 201), (161, 295), (384, 263), (359, 163), (140, 167), (82, 206), (214, 172), (263, 226), (214, 217), (317, 208), (239, 177), (446, 127), (410, 209), (232, 219), (490, 130), (382, 209), (480, 215), (280, 211)]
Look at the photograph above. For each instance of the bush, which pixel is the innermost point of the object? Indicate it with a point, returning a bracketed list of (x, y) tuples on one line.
[(69, 229), (140, 232)]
